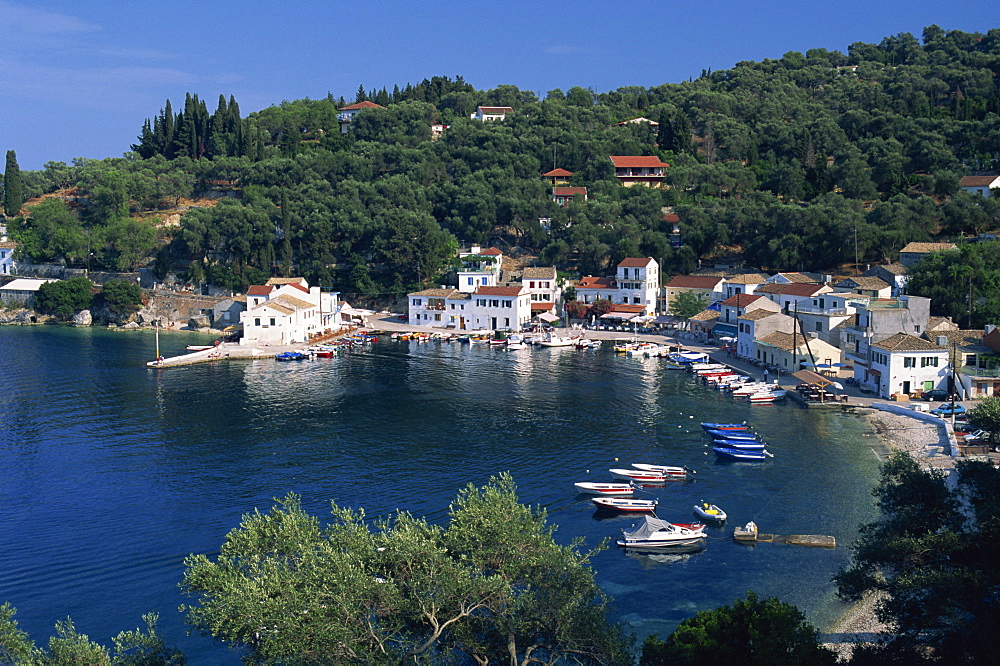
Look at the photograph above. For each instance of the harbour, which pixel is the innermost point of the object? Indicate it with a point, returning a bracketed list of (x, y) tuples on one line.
[(137, 468)]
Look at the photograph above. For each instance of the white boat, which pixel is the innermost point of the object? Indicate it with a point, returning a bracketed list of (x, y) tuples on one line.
[(668, 471), (605, 489), (657, 533), (707, 511), (199, 347), (554, 340), (638, 475), (625, 504), (516, 342)]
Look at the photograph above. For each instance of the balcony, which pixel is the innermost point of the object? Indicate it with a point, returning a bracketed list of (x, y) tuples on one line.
[(811, 309), (972, 371)]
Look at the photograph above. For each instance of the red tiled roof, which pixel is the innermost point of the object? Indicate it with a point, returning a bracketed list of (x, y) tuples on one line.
[(623, 161), (363, 105), (563, 191), (671, 217), (260, 290), (631, 309), (498, 291), (558, 172), (794, 289), (540, 306), (741, 300), (695, 282), (977, 181), (634, 262), (596, 283), (494, 110), (299, 287), (491, 252)]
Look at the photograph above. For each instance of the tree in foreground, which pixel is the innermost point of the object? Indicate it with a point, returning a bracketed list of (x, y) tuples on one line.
[(986, 415), (121, 296), (687, 304), (933, 555), (64, 297), (491, 585), (750, 631), (136, 647), (13, 187)]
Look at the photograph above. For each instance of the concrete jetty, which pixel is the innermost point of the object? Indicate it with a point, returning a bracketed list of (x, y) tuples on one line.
[(811, 540), (225, 350)]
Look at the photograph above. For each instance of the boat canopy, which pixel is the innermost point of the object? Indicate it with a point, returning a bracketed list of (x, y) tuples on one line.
[(650, 527)]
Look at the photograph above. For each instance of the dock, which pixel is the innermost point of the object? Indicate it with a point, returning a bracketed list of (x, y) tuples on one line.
[(809, 540)]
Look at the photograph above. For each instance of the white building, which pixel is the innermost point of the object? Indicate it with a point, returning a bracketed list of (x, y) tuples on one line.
[(488, 308), (492, 113), (347, 113), (981, 185), (7, 256), (21, 292), (637, 282), (285, 311), (904, 364), (480, 268), (543, 288)]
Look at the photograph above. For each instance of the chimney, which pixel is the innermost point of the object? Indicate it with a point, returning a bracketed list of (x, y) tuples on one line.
[(475, 249), (827, 279), (941, 340), (989, 328)]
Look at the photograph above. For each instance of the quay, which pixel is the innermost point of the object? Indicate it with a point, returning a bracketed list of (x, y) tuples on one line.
[(741, 535)]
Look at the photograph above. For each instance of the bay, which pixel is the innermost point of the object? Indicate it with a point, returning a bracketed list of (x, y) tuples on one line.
[(111, 473)]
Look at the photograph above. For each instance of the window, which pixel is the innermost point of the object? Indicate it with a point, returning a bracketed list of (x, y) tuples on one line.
[(472, 281), (416, 301), (531, 285), (909, 362), (506, 322), (819, 326), (256, 321), (484, 281), (437, 317), (929, 362), (272, 321)]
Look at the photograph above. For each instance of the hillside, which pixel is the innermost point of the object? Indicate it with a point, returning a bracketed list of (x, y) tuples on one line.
[(797, 163)]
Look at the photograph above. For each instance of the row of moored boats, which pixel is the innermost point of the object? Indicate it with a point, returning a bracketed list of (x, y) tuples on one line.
[(724, 378), (329, 349)]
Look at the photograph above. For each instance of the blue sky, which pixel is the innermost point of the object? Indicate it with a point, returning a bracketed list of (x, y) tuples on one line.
[(78, 78)]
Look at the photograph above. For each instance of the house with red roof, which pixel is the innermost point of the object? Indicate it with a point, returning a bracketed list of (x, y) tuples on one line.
[(563, 196), (558, 177), (480, 268), (986, 186), (286, 311), (735, 307), (708, 287), (489, 113), (637, 282), (639, 170), (788, 295), (347, 113)]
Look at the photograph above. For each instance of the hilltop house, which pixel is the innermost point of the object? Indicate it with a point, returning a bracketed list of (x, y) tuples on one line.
[(487, 113), (914, 252), (637, 282), (866, 286), (639, 170), (563, 196), (981, 185), (558, 177), (347, 113), (892, 274)]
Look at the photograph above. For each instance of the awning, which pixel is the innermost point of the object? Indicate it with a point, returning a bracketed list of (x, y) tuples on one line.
[(810, 377), (617, 315), (640, 319), (547, 317)]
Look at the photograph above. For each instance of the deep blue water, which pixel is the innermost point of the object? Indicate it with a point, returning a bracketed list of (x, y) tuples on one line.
[(111, 473)]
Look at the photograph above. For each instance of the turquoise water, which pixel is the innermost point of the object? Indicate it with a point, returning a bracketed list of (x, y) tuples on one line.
[(111, 473)]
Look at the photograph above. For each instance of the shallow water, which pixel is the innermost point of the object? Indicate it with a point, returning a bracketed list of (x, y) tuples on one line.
[(111, 473)]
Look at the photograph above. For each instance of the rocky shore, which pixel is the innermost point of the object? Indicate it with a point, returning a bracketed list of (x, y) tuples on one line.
[(921, 440)]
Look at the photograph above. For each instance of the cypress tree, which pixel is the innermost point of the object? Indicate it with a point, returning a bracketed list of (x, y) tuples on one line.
[(13, 188), (362, 95), (168, 131)]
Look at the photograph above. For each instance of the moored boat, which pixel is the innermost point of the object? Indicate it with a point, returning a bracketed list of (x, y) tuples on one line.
[(657, 533), (733, 434), (290, 356), (625, 504), (740, 454), (725, 426), (707, 511), (605, 489), (671, 472), (741, 444), (638, 475)]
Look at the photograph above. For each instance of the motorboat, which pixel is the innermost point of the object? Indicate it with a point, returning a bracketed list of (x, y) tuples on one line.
[(604, 489), (668, 471), (733, 434), (625, 504), (707, 511), (290, 356), (741, 444), (554, 340), (657, 533), (740, 454), (199, 347), (516, 342), (725, 426), (638, 475)]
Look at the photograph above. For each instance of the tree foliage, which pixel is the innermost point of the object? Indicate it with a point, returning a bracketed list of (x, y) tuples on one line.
[(64, 297), (120, 296), (750, 631), (933, 554), (963, 284), (13, 188), (687, 304), (492, 584)]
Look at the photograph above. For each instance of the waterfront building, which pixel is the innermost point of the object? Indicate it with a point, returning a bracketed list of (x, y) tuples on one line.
[(285, 311), (825, 313), (543, 288), (480, 268), (902, 364), (487, 308), (791, 352), (756, 324), (21, 292), (7, 248), (637, 282), (709, 287), (735, 307), (877, 320)]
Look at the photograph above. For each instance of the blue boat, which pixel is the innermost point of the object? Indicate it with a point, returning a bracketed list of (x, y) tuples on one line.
[(290, 356), (740, 454), (741, 444), (734, 434), (725, 426)]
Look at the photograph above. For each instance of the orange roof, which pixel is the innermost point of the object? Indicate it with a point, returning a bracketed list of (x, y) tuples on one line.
[(259, 290), (634, 262), (557, 191), (671, 217), (491, 252), (741, 300), (558, 172), (363, 105), (637, 161), (540, 306), (496, 109), (695, 282), (596, 283)]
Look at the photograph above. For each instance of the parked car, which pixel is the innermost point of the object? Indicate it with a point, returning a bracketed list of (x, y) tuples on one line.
[(946, 410), (935, 394), (978, 434)]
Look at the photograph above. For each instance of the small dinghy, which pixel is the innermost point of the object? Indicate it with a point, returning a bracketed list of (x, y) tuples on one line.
[(740, 454), (707, 511), (638, 475), (605, 488), (725, 426), (657, 533), (625, 504), (670, 472)]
